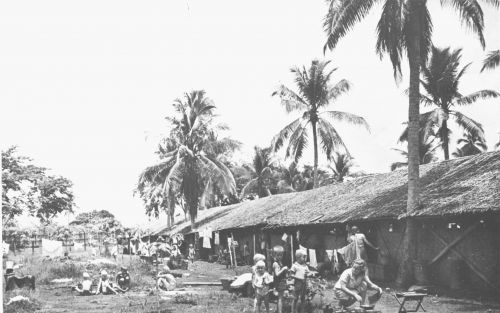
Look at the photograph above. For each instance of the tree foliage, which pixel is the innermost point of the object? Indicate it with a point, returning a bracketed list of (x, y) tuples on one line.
[(189, 160), (26, 188), (314, 93)]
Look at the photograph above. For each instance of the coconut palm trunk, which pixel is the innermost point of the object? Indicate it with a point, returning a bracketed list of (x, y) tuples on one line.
[(445, 140), (405, 274), (315, 141)]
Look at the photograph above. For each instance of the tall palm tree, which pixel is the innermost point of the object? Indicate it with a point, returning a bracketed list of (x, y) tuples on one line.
[(342, 164), (185, 168), (471, 145), (404, 26), (261, 174), (314, 94), (491, 61), (290, 178), (441, 80)]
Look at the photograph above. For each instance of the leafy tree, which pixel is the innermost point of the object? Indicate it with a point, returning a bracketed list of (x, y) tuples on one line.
[(314, 94), (471, 145), (261, 173), (404, 26), (491, 61), (27, 188), (185, 168), (441, 80), (342, 164)]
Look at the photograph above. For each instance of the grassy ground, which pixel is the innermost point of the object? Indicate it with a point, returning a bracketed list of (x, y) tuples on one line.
[(143, 298)]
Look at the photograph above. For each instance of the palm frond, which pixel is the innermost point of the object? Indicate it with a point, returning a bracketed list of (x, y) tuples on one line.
[(349, 118), (468, 124), (396, 165), (289, 99), (339, 89), (471, 15), (250, 188), (298, 142), (491, 61), (473, 97), (278, 140), (330, 139), (341, 17), (219, 174), (389, 33)]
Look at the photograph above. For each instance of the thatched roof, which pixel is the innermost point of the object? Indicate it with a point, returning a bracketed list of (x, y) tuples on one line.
[(461, 186)]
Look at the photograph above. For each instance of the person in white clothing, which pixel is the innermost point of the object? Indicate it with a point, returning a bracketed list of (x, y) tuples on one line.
[(360, 240)]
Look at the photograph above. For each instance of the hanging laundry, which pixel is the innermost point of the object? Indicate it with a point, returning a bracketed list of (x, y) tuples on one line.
[(330, 254), (5, 248), (284, 237), (208, 232), (302, 248), (348, 253), (217, 239), (312, 258), (78, 246), (52, 248), (262, 245), (206, 243)]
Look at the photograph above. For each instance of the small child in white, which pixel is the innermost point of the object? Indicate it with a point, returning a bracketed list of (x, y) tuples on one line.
[(260, 282), (85, 285), (300, 271)]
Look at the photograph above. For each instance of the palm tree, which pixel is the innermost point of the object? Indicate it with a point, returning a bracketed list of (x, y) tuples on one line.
[(314, 93), (427, 155), (185, 168), (441, 79), (290, 178), (404, 26), (472, 144), (342, 164), (491, 61), (261, 174)]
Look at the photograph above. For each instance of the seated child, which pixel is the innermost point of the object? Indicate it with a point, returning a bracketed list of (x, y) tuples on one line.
[(123, 279), (105, 286), (260, 282), (84, 288)]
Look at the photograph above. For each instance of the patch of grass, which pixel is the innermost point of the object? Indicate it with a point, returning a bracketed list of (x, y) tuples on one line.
[(185, 299), (21, 306)]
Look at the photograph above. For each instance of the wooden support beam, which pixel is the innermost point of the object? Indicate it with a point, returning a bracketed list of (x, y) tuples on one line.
[(454, 242), (469, 263)]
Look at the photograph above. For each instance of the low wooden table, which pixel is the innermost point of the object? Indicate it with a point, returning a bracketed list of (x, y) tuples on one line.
[(410, 296)]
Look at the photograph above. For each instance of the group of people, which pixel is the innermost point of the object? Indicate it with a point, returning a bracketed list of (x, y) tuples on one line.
[(105, 285), (351, 287)]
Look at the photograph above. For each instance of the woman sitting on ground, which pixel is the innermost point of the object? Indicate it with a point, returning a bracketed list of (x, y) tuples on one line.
[(353, 285), (123, 279)]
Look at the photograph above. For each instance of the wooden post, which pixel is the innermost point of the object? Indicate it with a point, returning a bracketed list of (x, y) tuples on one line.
[(254, 242), (234, 250), (292, 235), (84, 242)]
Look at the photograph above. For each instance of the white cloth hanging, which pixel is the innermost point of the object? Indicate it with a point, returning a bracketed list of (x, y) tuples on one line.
[(329, 253), (312, 258), (217, 239), (52, 248), (206, 243), (78, 246), (284, 237)]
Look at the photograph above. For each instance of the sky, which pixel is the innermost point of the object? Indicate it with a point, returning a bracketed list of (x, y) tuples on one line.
[(86, 84)]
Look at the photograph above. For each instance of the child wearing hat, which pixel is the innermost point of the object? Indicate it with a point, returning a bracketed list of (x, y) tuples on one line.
[(105, 286)]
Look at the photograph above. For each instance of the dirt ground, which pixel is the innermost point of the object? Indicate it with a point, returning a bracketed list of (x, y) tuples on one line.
[(59, 298)]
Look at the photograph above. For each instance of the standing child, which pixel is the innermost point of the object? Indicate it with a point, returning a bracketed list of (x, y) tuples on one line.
[(191, 253), (246, 253), (300, 271), (260, 282), (256, 258), (279, 275)]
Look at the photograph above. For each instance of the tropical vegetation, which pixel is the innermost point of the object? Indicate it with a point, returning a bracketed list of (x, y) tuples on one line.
[(314, 93), (441, 81), (471, 145), (405, 26), (188, 162)]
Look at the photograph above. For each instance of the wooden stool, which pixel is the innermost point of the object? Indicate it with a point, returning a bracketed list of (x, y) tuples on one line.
[(410, 296)]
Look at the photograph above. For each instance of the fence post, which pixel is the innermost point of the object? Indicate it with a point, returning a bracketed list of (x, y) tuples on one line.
[(33, 238), (84, 242)]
